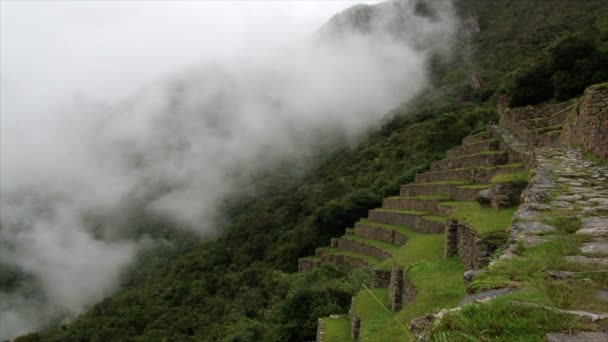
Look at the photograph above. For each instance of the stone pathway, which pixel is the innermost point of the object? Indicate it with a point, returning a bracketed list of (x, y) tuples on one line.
[(574, 188)]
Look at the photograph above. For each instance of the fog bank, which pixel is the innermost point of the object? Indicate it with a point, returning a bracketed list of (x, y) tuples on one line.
[(174, 106)]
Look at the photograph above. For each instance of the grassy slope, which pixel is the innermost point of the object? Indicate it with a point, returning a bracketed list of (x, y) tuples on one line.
[(235, 288)]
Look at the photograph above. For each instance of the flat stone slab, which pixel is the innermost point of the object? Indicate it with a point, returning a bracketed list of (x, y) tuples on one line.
[(602, 295), (533, 227), (597, 246), (593, 226), (578, 337), (586, 260), (482, 296)]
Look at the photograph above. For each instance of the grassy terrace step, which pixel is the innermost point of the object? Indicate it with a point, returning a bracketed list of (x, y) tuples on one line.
[(481, 174), (490, 224), (458, 190), (393, 234), (438, 285), (308, 263), (417, 220), (339, 257), (488, 158), (426, 203), (336, 329), (484, 145), (473, 139), (369, 247)]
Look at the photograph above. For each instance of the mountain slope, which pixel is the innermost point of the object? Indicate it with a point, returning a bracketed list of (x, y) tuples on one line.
[(239, 287)]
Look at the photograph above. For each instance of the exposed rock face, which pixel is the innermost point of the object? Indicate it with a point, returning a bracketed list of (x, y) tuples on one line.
[(588, 127), (506, 195)]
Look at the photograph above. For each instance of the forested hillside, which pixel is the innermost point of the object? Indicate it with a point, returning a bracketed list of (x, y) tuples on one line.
[(242, 286)]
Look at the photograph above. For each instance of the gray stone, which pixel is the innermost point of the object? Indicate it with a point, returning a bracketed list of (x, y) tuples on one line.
[(533, 227), (578, 337), (486, 295), (597, 246), (484, 198), (470, 275), (602, 295), (593, 226), (580, 259), (533, 240), (561, 274)]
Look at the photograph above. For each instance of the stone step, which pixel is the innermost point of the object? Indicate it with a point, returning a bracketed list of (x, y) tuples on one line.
[(457, 190), (517, 150), (419, 221), (372, 248), (548, 121), (381, 232), (473, 160), (473, 139), (471, 174), (308, 264), (337, 257), (484, 145), (426, 203), (548, 138)]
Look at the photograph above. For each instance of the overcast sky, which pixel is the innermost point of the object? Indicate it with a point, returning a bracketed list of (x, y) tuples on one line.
[(86, 46)]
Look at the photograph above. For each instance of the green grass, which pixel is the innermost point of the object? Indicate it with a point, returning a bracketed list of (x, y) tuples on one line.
[(487, 168), (517, 177), (548, 129), (486, 221), (370, 260), (314, 258), (401, 229), (425, 198), (409, 212), (382, 245), (455, 182), (479, 154), (336, 329), (371, 308), (419, 247), (530, 271), (475, 186), (564, 224), (438, 285), (505, 320)]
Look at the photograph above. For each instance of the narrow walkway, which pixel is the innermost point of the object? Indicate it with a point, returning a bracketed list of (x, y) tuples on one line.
[(566, 186)]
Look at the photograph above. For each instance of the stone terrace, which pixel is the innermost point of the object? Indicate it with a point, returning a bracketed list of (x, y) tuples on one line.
[(466, 170)]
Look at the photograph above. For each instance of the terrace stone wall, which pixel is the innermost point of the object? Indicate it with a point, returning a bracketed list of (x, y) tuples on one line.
[(306, 265), (380, 234), (362, 248), (381, 278), (588, 126), (401, 289), (463, 241)]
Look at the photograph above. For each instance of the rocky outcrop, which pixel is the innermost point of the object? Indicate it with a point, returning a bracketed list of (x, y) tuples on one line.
[(504, 195), (588, 125)]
